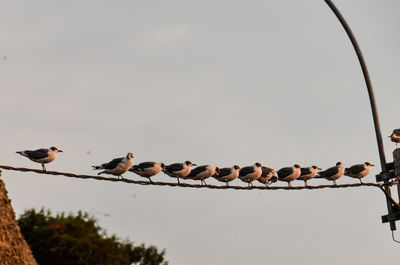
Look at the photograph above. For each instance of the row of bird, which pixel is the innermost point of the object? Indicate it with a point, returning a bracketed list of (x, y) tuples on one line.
[(265, 175)]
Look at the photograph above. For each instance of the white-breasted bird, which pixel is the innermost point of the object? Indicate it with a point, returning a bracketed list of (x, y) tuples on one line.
[(251, 173), (289, 174), (227, 174), (359, 171), (395, 136), (147, 169), (332, 173), (203, 172), (42, 156), (268, 176), (179, 170), (117, 166), (308, 173)]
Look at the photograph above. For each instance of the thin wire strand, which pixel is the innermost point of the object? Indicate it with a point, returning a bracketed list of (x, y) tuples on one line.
[(186, 185), (394, 238)]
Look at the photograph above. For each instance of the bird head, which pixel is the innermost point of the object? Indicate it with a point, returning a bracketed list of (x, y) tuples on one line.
[(55, 149), (129, 155), (339, 163), (317, 168), (188, 163), (369, 164), (163, 166), (297, 166), (258, 164), (236, 167)]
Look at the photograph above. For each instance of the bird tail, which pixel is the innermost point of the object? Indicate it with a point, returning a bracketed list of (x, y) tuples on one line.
[(319, 177), (21, 153)]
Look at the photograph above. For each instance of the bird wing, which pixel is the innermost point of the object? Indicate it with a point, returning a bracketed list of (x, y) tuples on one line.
[(266, 171), (245, 171), (305, 171), (224, 172), (329, 172), (174, 167), (356, 169), (284, 172), (37, 154), (144, 165), (197, 171), (112, 164)]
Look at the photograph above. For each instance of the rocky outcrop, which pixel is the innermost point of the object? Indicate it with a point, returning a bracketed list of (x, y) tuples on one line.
[(13, 248)]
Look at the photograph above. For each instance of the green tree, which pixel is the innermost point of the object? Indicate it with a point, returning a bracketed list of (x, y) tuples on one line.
[(78, 240)]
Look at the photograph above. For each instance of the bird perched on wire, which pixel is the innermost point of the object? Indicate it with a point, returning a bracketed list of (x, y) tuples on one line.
[(179, 170), (227, 174), (147, 169), (268, 176), (359, 171), (308, 173), (42, 156), (289, 174), (395, 136), (251, 173), (332, 173), (117, 166), (203, 172)]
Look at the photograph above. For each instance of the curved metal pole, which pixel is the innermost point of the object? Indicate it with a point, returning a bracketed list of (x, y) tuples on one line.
[(367, 82), (371, 98)]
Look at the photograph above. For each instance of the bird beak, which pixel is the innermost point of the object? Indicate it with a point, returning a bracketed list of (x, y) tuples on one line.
[(372, 165), (194, 164), (60, 151)]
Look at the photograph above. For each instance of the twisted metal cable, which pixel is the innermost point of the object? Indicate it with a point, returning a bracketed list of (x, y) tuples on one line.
[(186, 185)]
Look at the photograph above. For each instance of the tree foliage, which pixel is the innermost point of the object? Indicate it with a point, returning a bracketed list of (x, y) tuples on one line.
[(78, 240)]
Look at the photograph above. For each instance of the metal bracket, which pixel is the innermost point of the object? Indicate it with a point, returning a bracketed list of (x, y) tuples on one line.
[(395, 216), (385, 176)]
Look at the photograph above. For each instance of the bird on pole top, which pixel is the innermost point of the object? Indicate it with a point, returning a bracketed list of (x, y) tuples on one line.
[(395, 136)]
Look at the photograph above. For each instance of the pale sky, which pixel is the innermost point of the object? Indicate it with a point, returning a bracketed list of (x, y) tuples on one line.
[(214, 82)]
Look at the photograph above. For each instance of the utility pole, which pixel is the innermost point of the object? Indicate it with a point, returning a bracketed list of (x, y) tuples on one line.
[(396, 162), (394, 173), (387, 174)]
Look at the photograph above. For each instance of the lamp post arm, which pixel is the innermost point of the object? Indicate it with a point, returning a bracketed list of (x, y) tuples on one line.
[(367, 82), (371, 100)]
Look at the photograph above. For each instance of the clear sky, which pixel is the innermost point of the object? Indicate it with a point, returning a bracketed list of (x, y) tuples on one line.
[(214, 82)]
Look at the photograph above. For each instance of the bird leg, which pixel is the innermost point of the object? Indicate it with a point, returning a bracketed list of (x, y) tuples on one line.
[(361, 181), (227, 184), (44, 168), (178, 180), (305, 183), (334, 183), (203, 181), (151, 180), (289, 185)]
